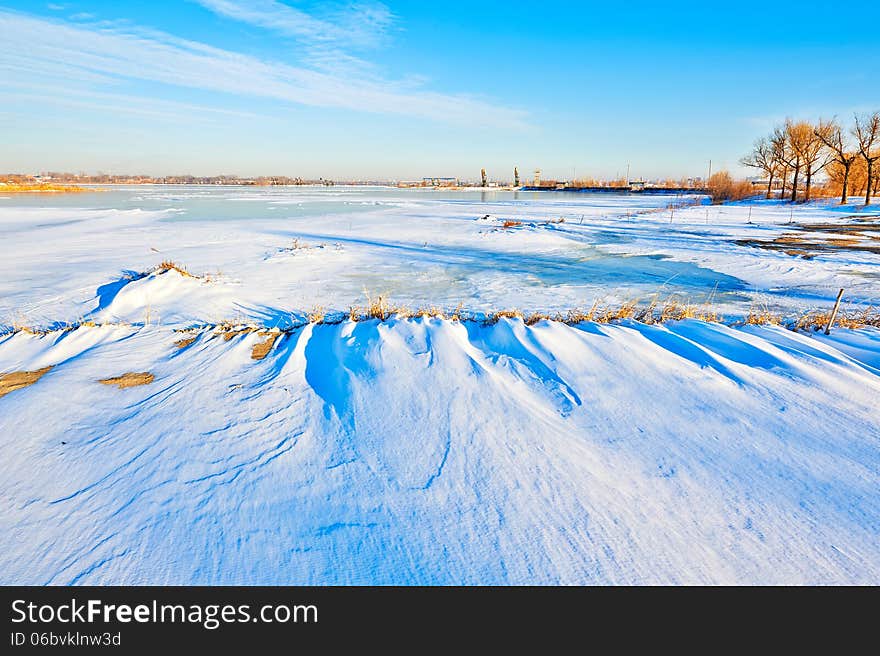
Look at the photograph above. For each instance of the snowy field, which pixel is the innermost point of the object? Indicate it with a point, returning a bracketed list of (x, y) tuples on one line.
[(431, 451)]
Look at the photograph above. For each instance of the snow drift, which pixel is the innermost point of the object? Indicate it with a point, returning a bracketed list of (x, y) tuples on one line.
[(429, 451)]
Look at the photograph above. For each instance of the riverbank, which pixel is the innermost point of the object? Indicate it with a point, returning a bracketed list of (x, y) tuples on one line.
[(31, 188)]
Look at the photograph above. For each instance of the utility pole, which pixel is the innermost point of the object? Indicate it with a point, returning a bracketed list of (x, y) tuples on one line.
[(483, 177), (627, 174), (710, 172)]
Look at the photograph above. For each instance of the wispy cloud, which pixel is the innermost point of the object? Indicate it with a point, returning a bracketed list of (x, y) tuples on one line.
[(107, 54), (359, 24), (166, 110), (324, 40)]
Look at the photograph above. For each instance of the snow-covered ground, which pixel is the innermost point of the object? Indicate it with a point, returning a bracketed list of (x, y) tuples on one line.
[(428, 450), (416, 247)]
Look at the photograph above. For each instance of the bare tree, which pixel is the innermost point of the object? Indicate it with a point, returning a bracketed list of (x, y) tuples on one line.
[(763, 157), (806, 154), (795, 143), (867, 134), (815, 156), (832, 136), (779, 142)]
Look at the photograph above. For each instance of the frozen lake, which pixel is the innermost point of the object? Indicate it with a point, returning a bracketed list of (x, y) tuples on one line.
[(284, 249)]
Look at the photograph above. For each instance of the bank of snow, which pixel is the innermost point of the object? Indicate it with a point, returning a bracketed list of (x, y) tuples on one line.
[(431, 451)]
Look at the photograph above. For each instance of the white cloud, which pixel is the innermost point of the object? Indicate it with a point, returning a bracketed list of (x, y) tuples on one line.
[(323, 40), (66, 52), (357, 24)]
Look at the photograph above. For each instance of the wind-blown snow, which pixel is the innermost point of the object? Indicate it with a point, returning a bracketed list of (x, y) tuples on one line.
[(431, 451), (427, 451)]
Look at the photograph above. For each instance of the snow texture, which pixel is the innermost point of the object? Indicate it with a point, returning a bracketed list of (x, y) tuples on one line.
[(425, 451)]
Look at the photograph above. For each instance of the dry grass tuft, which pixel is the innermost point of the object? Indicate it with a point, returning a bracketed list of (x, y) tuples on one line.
[(168, 265), (18, 379), (676, 311), (431, 312), (509, 223), (762, 316), (818, 320), (130, 379), (493, 318), (316, 315), (378, 308), (625, 311), (183, 343), (536, 317), (230, 329), (261, 349)]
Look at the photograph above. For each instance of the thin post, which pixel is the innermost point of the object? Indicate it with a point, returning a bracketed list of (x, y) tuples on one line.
[(834, 313)]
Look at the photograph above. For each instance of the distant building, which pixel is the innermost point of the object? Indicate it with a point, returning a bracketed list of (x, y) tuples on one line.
[(440, 182)]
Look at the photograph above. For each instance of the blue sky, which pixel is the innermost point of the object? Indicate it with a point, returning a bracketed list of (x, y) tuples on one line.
[(366, 89)]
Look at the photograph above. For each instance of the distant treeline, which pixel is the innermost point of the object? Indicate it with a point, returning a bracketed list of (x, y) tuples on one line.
[(81, 178), (796, 152)]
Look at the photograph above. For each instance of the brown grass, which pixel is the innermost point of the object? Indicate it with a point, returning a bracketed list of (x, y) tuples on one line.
[(723, 188), (18, 379), (676, 311), (130, 379), (509, 223), (818, 320), (493, 318), (183, 343), (840, 236), (261, 349), (317, 315), (168, 265), (431, 312), (37, 187), (762, 317), (378, 308)]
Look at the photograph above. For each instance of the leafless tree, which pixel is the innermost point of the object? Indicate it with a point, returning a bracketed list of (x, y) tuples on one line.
[(814, 155), (763, 158), (831, 134), (867, 133), (779, 152), (795, 144)]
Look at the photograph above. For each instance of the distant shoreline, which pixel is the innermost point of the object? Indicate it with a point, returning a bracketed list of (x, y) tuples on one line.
[(44, 188)]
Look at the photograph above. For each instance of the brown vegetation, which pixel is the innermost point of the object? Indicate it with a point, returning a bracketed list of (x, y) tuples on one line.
[(168, 265), (822, 238), (723, 188), (40, 187), (18, 379), (130, 379), (818, 320), (762, 316), (261, 349)]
